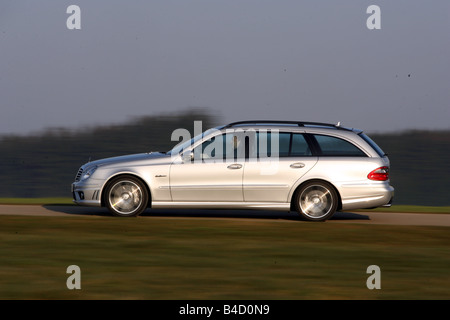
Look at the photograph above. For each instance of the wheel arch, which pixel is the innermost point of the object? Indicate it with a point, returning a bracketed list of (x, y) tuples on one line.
[(125, 174), (297, 189)]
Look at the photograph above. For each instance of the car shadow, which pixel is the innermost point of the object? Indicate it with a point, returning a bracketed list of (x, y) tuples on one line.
[(203, 213), (76, 210), (343, 215)]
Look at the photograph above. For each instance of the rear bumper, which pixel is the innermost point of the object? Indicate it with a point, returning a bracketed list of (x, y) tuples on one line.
[(390, 201), (370, 196)]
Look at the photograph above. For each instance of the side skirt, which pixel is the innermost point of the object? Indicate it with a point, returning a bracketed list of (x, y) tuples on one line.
[(223, 205)]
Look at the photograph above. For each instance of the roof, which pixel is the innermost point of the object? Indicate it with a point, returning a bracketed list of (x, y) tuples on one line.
[(288, 123)]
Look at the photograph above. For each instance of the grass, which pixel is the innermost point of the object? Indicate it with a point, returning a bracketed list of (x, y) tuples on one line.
[(38, 201), (203, 258)]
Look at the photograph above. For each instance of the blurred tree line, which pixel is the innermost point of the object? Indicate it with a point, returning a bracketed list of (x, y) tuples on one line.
[(45, 164), (420, 165)]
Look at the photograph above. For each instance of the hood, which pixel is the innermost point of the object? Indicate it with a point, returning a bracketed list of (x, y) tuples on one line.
[(126, 159)]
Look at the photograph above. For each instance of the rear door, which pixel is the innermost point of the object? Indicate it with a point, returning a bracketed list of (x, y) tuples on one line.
[(275, 162)]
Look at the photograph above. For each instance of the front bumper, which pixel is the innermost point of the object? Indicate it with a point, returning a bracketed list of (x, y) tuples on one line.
[(86, 194)]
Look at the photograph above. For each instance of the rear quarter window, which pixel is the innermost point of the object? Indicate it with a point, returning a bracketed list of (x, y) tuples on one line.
[(330, 146), (372, 143)]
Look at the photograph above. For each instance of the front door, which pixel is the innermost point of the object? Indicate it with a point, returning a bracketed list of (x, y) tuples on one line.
[(213, 174)]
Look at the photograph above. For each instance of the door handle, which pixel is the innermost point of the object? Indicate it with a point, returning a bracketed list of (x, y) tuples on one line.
[(297, 165), (235, 166)]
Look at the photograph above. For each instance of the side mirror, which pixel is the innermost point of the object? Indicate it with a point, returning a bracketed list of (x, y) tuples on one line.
[(188, 156)]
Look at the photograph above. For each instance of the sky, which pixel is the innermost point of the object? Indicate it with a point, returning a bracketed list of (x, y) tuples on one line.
[(311, 60)]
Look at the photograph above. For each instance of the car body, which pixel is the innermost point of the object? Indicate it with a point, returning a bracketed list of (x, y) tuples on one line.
[(309, 167)]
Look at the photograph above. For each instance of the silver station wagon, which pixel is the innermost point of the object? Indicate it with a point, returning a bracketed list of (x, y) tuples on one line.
[(312, 168)]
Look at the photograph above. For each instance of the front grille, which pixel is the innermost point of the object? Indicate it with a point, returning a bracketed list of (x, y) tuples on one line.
[(79, 173)]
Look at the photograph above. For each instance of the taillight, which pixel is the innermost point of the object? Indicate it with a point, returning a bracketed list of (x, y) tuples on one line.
[(379, 174)]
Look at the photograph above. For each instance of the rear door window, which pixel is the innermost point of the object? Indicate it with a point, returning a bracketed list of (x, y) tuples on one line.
[(299, 147), (289, 145)]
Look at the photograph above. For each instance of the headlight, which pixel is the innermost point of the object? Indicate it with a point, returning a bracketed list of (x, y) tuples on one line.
[(88, 173)]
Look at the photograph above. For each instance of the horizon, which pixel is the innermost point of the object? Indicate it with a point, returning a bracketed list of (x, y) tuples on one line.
[(51, 131)]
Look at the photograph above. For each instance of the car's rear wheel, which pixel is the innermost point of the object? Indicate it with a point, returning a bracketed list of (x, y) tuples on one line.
[(126, 196), (316, 201)]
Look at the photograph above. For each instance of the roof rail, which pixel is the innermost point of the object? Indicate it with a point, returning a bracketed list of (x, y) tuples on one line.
[(298, 123)]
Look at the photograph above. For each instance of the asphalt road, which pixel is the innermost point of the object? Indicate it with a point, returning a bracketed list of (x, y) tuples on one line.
[(417, 219)]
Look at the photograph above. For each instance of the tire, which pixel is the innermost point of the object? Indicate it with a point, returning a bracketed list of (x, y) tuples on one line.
[(316, 201), (126, 196)]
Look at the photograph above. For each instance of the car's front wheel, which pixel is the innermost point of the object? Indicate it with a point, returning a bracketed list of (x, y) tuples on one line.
[(126, 196), (316, 201)]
